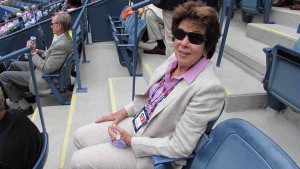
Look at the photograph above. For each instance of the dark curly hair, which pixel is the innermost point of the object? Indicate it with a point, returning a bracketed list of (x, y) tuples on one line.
[(204, 16)]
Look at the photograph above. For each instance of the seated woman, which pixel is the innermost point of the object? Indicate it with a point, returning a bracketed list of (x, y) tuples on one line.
[(168, 119)]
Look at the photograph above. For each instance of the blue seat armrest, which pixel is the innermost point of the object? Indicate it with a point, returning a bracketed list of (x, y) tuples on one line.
[(115, 17), (123, 34), (125, 45), (161, 159), (287, 50), (267, 50), (50, 75), (117, 21)]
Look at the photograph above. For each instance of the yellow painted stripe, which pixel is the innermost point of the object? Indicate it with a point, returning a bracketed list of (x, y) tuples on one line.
[(148, 69), (228, 92), (67, 133), (276, 32), (112, 95), (34, 114)]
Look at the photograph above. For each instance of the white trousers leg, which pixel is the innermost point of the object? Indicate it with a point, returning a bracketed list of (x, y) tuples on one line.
[(95, 151)]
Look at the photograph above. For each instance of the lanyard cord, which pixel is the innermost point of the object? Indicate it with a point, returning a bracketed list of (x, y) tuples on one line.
[(159, 98)]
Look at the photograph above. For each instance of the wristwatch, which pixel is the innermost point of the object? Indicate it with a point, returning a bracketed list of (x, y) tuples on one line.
[(33, 53)]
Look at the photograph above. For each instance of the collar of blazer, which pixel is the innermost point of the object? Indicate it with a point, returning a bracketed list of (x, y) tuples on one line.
[(157, 75), (59, 38)]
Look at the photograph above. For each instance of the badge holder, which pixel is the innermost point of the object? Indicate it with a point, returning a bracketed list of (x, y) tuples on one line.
[(140, 120)]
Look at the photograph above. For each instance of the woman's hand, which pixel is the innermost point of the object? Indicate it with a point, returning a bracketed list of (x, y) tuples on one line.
[(115, 117), (120, 134)]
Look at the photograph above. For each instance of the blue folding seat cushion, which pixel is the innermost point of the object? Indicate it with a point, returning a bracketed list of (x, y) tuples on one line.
[(237, 144), (252, 6), (284, 77)]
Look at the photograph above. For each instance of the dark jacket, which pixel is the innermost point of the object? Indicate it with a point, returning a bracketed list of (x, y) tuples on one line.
[(169, 4), (20, 141)]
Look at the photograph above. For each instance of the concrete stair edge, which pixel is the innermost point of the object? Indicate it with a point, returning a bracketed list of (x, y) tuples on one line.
[(268, 34)]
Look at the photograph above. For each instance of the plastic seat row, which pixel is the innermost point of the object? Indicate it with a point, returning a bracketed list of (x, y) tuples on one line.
[(253, 7), (125, 41)]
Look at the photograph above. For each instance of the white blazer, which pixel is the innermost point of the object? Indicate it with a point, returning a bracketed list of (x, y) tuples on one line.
[(180, 119)]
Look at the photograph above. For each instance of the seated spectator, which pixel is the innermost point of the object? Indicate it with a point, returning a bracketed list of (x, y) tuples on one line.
[(296, 5), (20, 140), (24, 16), (37, 14), (73, 4), (10, 21), (168, 119), (17, 79), (3, 27), (27, 15), (155, 24)]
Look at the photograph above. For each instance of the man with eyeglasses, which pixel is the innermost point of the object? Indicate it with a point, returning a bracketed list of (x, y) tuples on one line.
[(17, 79)]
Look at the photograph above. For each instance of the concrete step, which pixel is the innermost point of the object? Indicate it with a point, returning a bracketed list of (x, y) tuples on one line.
[(56, 118), (272, 34), (285, 16), (279, 15), (245, 52)]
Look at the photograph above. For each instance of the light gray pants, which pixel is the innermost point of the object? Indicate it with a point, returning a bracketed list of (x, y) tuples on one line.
[(15, 80), (96, 152), (167, 16), (155, 23)]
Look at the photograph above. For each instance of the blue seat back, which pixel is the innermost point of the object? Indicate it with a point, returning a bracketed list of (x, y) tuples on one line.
[(252, 6), (284, 80), (65, 73), (142, 25), (237, 144), (44, 152)]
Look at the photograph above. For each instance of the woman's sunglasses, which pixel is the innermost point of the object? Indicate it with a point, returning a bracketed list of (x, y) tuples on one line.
[(194, 38)]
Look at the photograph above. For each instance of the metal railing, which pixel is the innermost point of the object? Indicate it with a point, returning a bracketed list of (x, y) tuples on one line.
[(17, 53), (79, 24)]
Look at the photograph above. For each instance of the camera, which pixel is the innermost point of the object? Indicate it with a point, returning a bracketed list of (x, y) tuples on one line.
[(33, 39)]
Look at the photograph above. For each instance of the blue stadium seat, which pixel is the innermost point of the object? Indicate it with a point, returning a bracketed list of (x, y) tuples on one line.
[(237, 144), (44, 152), (64, 79), (284, 76), (125, 42), (250, 7), (272, 101)]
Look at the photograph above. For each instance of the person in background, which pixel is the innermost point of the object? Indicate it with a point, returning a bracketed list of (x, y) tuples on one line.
[(73, 4), (169, 117), (17, 79), (3, 27), (10, 21), (155, 24), (20, 139)]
